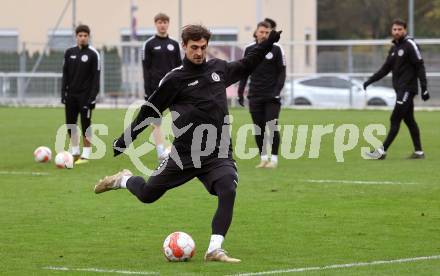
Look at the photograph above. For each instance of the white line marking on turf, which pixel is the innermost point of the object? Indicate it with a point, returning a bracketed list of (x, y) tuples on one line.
[(336, 266), (358, 182), (101, 270), (24, 173)]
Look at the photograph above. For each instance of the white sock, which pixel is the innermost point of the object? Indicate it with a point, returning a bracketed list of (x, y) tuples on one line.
[(381, 150), (419, 152), (74, 150), (264, 157), (160, 149), (215, 243), (124, 180), (274, 158), (86, 152)]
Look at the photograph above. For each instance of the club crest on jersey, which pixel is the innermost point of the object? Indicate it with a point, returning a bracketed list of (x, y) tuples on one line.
[(84, 58), (400, 52), (170, 47), (215, 77), (269, 55)]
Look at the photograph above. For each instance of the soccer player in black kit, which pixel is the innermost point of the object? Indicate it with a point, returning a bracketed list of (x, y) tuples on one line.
[(406, 63), (160, 54), (266, 83), (79, 88), (196, 92)]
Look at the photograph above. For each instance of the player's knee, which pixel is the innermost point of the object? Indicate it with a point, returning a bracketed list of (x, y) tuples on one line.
[(226, 186), (410, 122), (146, 198), (395, 119), (137, 186), (230, 190)]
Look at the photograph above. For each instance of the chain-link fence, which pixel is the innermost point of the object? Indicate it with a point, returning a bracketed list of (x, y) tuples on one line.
[(339, 68)]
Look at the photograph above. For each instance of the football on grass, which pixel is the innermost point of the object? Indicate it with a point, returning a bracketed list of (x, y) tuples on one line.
[(42, 154), (179, 247), (64, 160)]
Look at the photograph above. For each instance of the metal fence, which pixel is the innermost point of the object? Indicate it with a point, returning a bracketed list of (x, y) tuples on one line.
[(339, 67)]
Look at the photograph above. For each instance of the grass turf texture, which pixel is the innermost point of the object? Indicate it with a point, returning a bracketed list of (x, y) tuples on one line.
[(280, 221)]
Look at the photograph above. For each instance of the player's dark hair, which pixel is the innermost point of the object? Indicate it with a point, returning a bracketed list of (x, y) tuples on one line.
[(399, 22), (264, 24), (82, 29), (161, 16), (272, 23), (195, 33)]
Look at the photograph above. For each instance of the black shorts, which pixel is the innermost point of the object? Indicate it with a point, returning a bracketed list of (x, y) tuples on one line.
[(75, 106), (172, 176)]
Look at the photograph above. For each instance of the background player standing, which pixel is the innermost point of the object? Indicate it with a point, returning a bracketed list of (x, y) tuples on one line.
[(406, 63), (265, 86), (160, 54), (197, 92), (80, 86)]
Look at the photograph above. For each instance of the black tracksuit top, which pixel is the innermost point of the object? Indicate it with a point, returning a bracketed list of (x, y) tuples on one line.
[(81, 72), (198, 94), (406, 63), (159, 56), (268, 79)]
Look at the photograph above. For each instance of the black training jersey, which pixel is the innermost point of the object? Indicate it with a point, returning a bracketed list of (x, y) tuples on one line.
[(196, 96), (81, 72), (267, 80), (159, 56), (406, 63)]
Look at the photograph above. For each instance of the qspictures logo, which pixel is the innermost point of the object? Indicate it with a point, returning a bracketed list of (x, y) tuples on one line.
[(296, 141)]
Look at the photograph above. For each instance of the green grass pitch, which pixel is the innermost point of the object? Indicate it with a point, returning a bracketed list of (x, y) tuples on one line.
[(281, 221)]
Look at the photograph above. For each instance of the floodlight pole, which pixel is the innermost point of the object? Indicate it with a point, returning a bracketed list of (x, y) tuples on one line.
[(132, 50), (292, 46), (49, 42), (73, 19), (411, 17), (292, 34), (179, 20), (258, 15), (131, 27)]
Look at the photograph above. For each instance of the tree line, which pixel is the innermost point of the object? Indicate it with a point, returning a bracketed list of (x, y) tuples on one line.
[(370, 19)]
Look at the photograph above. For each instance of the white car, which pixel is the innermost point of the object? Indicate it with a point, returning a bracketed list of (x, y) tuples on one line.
[(336, 92)]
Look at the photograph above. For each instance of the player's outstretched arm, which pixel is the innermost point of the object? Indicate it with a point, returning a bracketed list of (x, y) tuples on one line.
[(383, 71), (237, 70), (242, 84), (150, 111), (118, 146)]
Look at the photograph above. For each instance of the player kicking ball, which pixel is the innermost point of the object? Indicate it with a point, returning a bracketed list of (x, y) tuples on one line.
[(196, 91)]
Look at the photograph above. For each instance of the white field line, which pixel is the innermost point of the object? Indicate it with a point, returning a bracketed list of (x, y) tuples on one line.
[(23, 173), (98, 270), (338, 266), (358, 182)]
